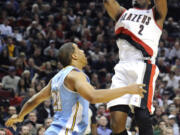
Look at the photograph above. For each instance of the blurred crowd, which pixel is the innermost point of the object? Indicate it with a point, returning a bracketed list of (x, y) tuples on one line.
[(31, 32)]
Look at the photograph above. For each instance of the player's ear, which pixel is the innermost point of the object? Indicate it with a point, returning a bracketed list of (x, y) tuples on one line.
[(74, 56)]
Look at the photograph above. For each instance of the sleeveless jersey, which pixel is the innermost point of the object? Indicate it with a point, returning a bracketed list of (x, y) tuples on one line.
[(137, 34), (71, 110)]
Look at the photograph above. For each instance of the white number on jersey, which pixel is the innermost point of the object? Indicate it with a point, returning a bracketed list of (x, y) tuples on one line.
[(56, 101)]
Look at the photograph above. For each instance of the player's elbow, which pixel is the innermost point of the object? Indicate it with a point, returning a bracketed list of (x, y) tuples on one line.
[(93, 101), (92, 98)]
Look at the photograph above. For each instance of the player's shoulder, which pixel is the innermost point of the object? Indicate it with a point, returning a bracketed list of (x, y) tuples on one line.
[(75, 75)]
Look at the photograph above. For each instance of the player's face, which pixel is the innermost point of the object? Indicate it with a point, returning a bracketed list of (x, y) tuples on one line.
[(80, 54), (141, 3)]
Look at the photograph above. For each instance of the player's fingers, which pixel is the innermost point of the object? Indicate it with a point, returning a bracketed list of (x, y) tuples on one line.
[(7, 123), (143, 90), (10, 122), (141, 85), (142, 95)]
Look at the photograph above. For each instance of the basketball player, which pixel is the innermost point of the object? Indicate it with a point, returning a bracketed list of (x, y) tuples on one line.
[(71, 91), (138, 32)]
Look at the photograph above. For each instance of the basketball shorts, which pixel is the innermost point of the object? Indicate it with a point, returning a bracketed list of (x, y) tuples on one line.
[(130, 72), (58, 130)]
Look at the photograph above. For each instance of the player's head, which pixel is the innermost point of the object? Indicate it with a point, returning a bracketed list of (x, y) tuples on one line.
[(70, 53), (142, 4)]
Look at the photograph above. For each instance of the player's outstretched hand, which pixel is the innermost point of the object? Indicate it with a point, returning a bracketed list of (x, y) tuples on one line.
[(137, 89), (14, 119)]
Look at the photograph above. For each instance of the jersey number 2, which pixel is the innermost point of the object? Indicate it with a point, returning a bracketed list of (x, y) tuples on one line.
[(141, 29)]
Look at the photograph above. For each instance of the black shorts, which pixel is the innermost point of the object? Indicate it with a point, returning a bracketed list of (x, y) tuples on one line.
[(122, 108)]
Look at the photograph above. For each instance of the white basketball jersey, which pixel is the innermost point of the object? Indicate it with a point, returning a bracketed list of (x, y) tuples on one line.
[(139, 28)]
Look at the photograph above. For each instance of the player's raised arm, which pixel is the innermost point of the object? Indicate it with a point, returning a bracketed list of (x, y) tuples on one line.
[(80, 84), (32, 103), (113, 8), (160, 11)]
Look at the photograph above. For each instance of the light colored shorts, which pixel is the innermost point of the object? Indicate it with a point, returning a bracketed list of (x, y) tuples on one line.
[(130, 72)]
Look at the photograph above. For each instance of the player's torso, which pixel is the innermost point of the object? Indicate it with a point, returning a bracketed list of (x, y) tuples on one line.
[(140, 26), (71, 110)]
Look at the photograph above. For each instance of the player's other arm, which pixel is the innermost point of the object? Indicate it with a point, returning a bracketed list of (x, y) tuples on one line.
[(86, 90), (113, 8), (160, 9), (32, 103)]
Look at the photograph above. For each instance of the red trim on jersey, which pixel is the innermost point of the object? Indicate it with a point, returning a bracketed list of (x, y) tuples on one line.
[(149, 62), (150, 92), (155, 20), (135, 38)]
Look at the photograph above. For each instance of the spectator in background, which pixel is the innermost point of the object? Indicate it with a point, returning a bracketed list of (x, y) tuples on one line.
[(47, 122), (5, 28), (162, 127), (157, 115), (173, 124), (32, 67), (10, 81), (51, 51), (162, 66), (38, 60), (27, 78), (11, 111), (32, 30), (41, 130), (21, 89), (175, 51), (12, 48), (168, 131), (102, 128), (5, 131), (30, 93), (101, 111), (172, 80), (171, 26), (25, 130), (5, 59), (2, 131), (45, 111), (33, 117), (31, 122)]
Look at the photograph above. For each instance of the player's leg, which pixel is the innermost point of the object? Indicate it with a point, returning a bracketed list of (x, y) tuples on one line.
[(144, 122), (119, 108), (119, 115), (142, 115)]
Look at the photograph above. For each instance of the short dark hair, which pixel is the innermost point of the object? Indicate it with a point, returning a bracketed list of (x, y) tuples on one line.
[(65, 53)]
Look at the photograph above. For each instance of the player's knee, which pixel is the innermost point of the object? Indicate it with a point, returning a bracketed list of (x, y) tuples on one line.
[(143, 120), (117, 125)]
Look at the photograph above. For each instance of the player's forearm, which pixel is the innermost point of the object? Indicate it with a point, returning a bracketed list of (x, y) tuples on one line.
[(30, 105), (161, 7), (103, 95)]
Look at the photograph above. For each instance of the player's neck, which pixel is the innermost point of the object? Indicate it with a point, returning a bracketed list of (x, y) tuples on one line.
[(141, 8), (77, 65)]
